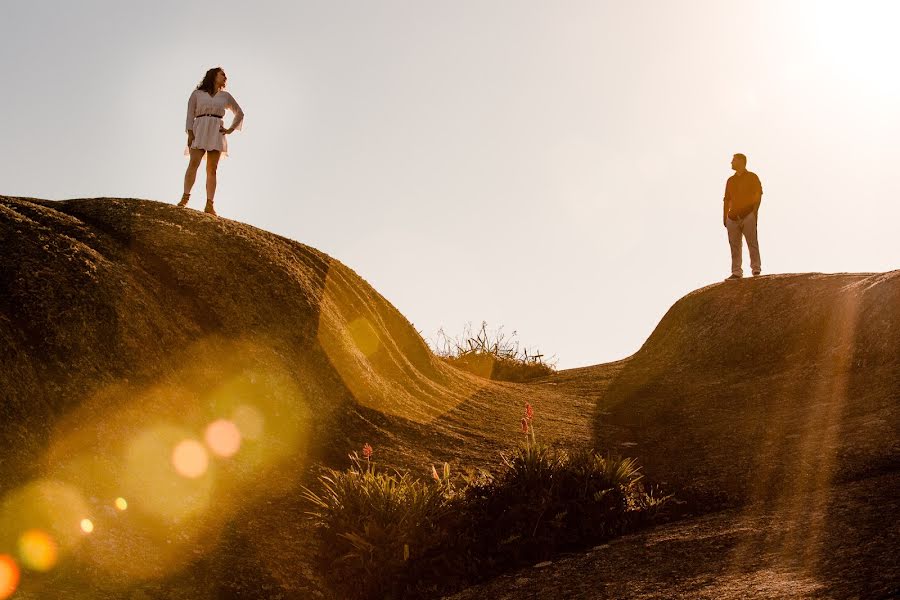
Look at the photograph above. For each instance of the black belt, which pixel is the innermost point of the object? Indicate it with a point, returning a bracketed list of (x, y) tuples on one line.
[(216, 116)]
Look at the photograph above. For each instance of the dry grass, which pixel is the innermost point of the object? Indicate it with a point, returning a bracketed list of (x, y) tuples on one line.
[(493, 354)]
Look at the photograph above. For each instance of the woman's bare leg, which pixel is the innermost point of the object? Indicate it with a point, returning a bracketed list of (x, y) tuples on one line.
[(191, 174), (212, 163)]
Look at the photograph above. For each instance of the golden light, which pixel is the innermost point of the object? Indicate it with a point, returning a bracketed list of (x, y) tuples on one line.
[(223, 437), (38, 550), (42, 519), (381, 359), (364, 336), (249, 421), (160, 468), (87, 525), (270, 413), (156, 478), (190, 459), (9, 576)]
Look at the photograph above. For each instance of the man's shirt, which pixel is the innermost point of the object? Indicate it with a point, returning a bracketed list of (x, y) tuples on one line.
[(742, 193)]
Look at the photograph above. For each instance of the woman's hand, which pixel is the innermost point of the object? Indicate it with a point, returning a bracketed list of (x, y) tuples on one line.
[(225, 131), (190, 139)]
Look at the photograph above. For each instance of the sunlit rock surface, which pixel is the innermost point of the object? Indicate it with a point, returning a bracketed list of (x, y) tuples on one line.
[(187, 368), (765, 387), (168, 380)]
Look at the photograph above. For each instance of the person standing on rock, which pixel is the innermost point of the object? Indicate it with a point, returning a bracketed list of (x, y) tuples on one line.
[(206, 132), (743, 195)]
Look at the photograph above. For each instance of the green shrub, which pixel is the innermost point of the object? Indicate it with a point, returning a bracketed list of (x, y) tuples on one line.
[(372, 523), (387, 534), (545, 500), (492, 355)]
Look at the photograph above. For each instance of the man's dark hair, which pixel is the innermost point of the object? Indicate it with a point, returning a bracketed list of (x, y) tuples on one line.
[(208, 84), (742, 157)]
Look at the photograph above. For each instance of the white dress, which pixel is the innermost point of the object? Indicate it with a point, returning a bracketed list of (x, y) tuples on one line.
[(204, 118)]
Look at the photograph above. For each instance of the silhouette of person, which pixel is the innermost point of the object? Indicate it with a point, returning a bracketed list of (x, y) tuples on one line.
[(206, 132), (740, 212)]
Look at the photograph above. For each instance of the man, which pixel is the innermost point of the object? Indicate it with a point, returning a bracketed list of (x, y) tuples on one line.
[(743, 195)]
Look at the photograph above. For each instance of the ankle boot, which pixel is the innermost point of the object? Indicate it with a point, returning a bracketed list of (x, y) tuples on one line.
[(209, 208), (184, 200)]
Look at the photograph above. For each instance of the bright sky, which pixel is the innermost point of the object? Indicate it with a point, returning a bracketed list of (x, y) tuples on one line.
[(554, 167)]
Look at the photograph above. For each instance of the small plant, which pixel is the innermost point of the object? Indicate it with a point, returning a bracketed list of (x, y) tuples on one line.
[(444, 478), (527, 426), (492, 354)]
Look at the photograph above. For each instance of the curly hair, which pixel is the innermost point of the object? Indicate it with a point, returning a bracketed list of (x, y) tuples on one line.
[(208, 84)]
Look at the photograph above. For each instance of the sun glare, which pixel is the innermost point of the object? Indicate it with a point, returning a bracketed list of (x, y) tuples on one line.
[(364, 336), (190, 459), (38, 550), (87, 525), (43, 519), (121, 503), (857, 40), (223, 438), (9, 576), (249, 421), (163, 474)]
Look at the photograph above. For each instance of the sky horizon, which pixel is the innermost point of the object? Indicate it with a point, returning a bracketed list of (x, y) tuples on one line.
[(554, 169)]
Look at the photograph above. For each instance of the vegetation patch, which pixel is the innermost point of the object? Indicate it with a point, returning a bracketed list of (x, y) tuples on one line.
[(493, 355), (384, 533)]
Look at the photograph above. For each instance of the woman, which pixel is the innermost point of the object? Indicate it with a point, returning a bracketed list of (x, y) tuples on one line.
[(206, 131)]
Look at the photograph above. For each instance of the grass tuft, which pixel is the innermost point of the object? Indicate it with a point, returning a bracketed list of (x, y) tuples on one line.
[(493, 355)]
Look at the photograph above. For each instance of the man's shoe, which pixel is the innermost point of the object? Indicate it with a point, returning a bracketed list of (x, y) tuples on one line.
[(734, 277), (756, 273)]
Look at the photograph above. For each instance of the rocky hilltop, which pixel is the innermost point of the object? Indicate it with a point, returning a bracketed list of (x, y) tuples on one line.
[(127, 327)]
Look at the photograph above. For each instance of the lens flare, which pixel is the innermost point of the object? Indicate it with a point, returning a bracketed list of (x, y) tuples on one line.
[(381, 359), (364, 336), (41, 520), (249, 421), (190, 459), (87, 525), (121, 503), (38, 550), (155, 480), (223, 438), (9, 576)]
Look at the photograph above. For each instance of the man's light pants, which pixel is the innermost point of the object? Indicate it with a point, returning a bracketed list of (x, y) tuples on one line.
[(745, 227)]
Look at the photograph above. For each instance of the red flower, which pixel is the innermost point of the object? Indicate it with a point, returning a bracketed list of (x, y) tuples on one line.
[(524, 425), (367, 451), (529, 411)]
